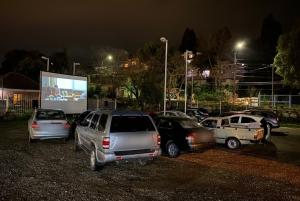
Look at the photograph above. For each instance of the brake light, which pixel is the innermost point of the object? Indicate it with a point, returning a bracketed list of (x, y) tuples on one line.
[(214, 134), (205, 117), (106, 143), (35, 125), (67, 125), (277, 119), (158, 139), (189, 137), (255, 136)]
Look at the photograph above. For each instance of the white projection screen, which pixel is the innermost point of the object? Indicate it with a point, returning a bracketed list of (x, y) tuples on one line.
[(66, 92)]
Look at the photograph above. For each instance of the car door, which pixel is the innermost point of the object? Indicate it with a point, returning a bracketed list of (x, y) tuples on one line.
[(209, 123), (90, 131), (235, 120), (165, 128), (83, 129)]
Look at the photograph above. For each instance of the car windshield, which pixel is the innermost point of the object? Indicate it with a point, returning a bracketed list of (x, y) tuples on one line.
[(131, 124), (50, 114), (181, 114), (189, 124)]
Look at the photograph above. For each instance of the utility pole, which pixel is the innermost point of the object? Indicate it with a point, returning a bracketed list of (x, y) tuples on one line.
[(272, 86), (164, 40), (74, 67), (185, 91), (234, 78), (192, 89)]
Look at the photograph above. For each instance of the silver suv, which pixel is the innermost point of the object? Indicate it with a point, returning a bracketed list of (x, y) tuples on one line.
[(121, 136)]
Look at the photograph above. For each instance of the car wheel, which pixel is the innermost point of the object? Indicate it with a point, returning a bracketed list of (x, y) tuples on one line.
[(30, 139), (77, 145), (172, 150), (233, 143), (93, 161), (142, 162)]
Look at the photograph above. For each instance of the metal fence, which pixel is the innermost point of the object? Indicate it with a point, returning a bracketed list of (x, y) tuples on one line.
[(21, 105), (279, 100)]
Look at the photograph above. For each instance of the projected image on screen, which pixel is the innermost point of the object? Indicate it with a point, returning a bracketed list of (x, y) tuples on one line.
[(65, 92)]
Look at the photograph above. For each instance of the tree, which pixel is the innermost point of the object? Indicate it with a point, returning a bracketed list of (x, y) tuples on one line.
[(11, 60), (287, 60), (31, 68), (60, 62), (189, 41)]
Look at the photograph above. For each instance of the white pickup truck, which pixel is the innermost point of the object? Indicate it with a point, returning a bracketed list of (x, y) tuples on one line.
[(232, 136)]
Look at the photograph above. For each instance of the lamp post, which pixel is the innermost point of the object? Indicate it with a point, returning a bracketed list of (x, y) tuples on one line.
[(46, 58), (234, 73), (185, 94), (164, 40), (75, 64), (192, 88), (108, 57)]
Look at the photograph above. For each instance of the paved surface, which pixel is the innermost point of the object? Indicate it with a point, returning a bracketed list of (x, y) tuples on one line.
[(52, 170)]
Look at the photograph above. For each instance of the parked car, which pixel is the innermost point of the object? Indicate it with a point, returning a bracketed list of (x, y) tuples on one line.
[(227, 114), (121, 136), (78, 120), (245, 120), (183, 134), (270, 117), (233, 137), (200, 111), (174, 113), (193, 113), (48, 124)]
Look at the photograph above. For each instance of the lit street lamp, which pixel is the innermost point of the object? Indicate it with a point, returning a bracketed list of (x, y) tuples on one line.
[(234, 73), (43, 57), (164, 40), (108, 57), (75, 64), (185, 91)]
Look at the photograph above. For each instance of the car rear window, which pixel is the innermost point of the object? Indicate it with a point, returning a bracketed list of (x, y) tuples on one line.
[(189, 124), (50, 114), (131, 124)]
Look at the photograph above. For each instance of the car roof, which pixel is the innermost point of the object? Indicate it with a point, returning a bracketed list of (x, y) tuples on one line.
[(215, 118), (40, 109), (248, 115), (175, 118), (121, 112)]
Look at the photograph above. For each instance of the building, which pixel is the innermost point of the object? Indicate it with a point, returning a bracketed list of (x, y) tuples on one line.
[(15, 87)]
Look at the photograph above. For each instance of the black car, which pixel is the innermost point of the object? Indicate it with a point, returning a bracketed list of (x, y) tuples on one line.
[(77, 120), (182, 134)]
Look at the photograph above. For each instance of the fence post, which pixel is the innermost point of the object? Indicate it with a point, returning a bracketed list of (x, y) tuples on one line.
[(258, 99), (7, 103), (115, 103), (274, 100), (290, 101)]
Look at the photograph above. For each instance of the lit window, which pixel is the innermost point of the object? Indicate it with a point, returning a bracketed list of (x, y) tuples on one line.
[(126, 65), (17, 98), (191, 56)]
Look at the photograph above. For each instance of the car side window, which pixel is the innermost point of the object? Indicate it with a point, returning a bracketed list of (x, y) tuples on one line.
[(165, 124), (102, 122), (83, 115), (247, 120), (88, 119), (171, 114), (94, 121), (208, 123), (234, 120)]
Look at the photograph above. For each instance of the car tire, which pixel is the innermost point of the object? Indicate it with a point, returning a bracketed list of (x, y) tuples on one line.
[(77, 146), (172, 150), (232, 143), (30, 139), (142, 162), (94, 165)]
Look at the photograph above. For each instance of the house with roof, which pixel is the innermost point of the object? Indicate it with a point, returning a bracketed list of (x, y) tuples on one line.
[(15, 87)]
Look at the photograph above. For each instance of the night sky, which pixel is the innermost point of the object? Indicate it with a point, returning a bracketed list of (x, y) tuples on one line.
[(85, 26)]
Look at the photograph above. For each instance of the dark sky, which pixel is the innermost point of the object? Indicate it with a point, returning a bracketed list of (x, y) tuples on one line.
[(84, 26)]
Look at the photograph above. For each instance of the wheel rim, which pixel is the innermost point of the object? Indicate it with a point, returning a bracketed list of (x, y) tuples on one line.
[(172, 149), (92, 159), (232, 144)]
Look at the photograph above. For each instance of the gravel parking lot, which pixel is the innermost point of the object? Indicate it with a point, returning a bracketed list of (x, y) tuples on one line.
[(52, 170)]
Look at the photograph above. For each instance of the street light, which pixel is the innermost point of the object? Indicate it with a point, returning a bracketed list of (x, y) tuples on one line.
[(46, 58), (234, 73), (75, 64), (164, 40), (192, 89), (108, 57), (186, 62)]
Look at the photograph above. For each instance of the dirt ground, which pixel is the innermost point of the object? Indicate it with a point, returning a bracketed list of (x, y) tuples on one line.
[(52, 170)]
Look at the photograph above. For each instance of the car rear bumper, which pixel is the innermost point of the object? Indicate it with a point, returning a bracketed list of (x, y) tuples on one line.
[(202, 146), (48, 134), (112, 156), (276, 125)]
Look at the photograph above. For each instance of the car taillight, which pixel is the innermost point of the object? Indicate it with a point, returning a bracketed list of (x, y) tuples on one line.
[(35, 125), (106, 143), (214, 134), (189, 137), (205, 117), (277, 119), (67, 125), (158, 139), (255, 136)]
